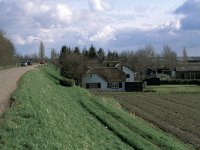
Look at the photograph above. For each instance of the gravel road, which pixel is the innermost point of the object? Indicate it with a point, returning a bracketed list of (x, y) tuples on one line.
[(8, 83)]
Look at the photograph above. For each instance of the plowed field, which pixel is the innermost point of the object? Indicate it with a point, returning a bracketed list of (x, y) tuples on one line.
[(177, 113)]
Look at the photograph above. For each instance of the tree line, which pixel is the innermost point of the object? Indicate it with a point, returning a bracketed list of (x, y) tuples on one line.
[(7, 51), (75, 62)]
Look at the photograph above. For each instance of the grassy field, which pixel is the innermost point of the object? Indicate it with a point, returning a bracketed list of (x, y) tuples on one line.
[(175, 88), (46, 115), (175, 112)]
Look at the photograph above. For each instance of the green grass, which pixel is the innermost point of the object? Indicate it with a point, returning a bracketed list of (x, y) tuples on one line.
[(49, 116), (46, 115), (175, 88)]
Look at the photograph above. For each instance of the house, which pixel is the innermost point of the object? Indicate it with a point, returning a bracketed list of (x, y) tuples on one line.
[(130, 75), (150, 76), (188, 72), (148, 73), (110, 78), (104, 79), (166, 73), (130, 85)]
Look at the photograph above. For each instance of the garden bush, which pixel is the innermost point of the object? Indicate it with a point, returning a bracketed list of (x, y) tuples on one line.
[(66, 82)]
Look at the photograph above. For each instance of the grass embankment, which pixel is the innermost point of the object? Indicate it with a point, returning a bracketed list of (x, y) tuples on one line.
[(49, 116)]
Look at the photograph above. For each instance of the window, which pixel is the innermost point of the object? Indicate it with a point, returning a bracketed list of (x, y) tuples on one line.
[(120, 85), (127, 75), (114, 85), (93, 85)]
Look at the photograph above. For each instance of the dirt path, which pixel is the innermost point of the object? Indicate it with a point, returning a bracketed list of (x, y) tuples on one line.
[(8, 83)]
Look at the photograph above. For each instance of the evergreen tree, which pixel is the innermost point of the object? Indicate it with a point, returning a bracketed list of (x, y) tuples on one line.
[(76, 51), (101, 53), (112, 56), (63, 54), (92, 52), (64, 49), (85, 54), (109, 55)]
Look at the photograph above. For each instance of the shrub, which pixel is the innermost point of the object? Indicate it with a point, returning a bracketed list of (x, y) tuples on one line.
[(66, 82)]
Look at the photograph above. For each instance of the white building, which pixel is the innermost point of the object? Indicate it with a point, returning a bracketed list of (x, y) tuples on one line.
[(108, 78), (130, 75)]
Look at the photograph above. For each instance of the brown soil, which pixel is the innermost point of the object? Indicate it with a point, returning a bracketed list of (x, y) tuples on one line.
[(174, 113)]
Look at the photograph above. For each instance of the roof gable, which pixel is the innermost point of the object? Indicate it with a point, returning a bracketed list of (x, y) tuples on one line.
[(127, 67)]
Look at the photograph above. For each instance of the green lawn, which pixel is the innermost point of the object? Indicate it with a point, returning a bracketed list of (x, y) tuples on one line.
[(46, 115), (175, 88)]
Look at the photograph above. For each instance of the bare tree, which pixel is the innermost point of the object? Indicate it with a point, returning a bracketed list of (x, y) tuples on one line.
[(74, 67), (145, 57), (7, 50), (123, 57), (54, 56), (169, 56)]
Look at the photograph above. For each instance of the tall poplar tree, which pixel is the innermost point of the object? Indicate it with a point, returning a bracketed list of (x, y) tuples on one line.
[(41, 51)]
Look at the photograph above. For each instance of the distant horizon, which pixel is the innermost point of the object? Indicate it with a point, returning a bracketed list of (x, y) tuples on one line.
[(110, 24)]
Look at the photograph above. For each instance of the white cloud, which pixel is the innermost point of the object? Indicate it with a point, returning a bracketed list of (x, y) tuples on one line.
[(19, 40), (24, 41), (172, 25), (103, 22), (63, 13), (100, 5), (30, 39), (34, 8), (107, 33)]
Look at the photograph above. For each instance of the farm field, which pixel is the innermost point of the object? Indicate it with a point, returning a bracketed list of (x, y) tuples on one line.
[(177, 113), (46, 115)]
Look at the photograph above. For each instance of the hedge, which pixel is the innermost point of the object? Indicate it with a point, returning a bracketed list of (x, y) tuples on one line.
[(196, 82), (66, 82)]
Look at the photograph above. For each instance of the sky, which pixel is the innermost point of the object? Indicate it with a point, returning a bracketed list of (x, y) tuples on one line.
[(115, 25)]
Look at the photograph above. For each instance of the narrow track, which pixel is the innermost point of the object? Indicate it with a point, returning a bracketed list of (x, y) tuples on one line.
[(8, 83)]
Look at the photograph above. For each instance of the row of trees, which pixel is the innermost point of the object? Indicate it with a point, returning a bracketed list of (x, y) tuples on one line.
[(7, 50), (74, 62)]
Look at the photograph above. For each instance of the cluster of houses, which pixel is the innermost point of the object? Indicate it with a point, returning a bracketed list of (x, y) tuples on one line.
[(118, 77)]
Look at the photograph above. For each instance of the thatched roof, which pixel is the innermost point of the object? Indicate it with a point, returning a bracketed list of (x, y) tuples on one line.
[(110, 63), (109, 74)]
